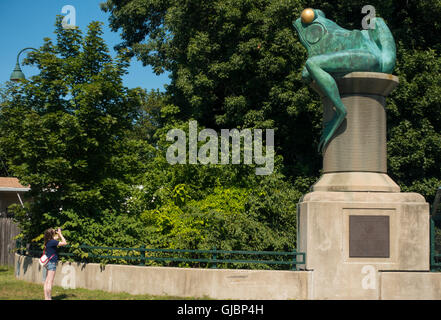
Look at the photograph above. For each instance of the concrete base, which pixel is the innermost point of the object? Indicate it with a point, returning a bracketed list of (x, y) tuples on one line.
[(410, 285), (323, 234)]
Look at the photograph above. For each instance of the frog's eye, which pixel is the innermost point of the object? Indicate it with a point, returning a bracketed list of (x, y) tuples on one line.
[(314, 33), (307, 15)]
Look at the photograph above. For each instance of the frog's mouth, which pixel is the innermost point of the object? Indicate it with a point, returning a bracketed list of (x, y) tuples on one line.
[(298, 25)]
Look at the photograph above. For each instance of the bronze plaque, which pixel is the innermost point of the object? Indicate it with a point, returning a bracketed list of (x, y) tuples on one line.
[(369, 236)]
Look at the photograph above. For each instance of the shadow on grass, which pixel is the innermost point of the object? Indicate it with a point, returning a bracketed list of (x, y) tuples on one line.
[(63, 296)]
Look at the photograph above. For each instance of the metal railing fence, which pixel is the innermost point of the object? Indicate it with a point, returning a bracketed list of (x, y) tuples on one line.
[(213, 258)]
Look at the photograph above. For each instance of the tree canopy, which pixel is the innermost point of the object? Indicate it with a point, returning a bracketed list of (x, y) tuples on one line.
[(64, 131)]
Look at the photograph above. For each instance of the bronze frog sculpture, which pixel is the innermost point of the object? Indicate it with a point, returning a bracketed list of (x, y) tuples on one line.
[(334, 51)]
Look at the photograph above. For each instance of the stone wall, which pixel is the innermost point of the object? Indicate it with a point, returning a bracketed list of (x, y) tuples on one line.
[(176, 282)]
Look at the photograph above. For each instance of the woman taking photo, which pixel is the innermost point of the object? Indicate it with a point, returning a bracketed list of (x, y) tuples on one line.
[(51, 243)]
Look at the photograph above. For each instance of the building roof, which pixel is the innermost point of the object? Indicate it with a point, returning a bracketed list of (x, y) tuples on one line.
[(12, 184)]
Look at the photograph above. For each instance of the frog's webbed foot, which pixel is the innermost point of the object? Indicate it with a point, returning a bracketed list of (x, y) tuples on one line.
[(306, 77), (329, 130), (325, 137), (323, 142)]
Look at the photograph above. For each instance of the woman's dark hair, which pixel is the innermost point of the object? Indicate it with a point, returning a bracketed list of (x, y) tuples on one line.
[(48, 235)]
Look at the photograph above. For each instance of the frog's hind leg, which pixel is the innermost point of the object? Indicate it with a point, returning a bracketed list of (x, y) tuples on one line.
[(320, 69), (384, 39)]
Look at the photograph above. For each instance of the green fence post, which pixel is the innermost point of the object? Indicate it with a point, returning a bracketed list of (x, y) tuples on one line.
[(22, 248), (432, 243), (142, 256), (294, 261), (213, 257), (17, 246)]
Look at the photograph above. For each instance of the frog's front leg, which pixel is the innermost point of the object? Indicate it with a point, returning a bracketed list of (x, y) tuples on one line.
[(327, 84), (320, 69)]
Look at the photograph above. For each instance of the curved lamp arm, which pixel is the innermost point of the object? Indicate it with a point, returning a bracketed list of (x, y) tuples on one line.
[(17, 74)]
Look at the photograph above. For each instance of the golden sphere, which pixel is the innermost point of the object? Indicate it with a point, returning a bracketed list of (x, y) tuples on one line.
[(307, 15)]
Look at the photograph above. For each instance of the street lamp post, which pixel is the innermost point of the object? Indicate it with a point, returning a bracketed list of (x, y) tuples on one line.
[(17, 74)]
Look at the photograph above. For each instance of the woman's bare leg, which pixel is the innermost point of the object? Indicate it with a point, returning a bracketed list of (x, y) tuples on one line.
[(48, 285)]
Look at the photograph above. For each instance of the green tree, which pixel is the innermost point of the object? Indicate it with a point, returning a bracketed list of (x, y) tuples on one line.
[(64, 132), (233, 64)]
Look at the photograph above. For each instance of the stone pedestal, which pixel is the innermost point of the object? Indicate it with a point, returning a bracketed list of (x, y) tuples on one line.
[(355, 222), (359, 145)]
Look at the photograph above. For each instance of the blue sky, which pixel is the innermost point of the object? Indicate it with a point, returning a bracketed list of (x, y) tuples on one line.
[(24, 23)]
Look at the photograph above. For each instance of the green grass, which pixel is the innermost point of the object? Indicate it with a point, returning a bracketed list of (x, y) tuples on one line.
[(13, 289)]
